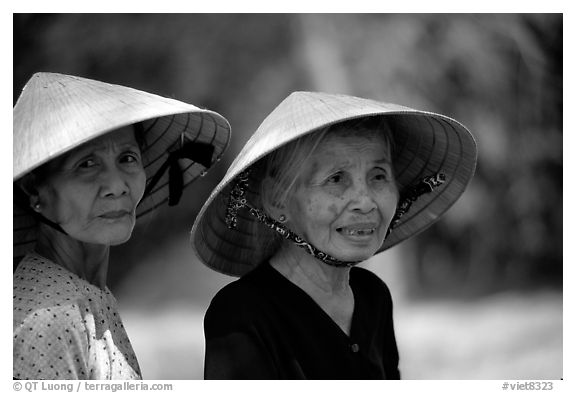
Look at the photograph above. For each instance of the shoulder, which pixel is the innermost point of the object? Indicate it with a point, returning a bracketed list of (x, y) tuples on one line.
[(238, 303), (40, 285), (370, 284), (51, 321), (35, 274), (235, 296), (367, 277), (248, 287), (44, 293)]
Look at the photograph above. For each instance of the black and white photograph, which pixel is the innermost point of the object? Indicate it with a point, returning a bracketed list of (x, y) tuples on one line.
[(288, 196)]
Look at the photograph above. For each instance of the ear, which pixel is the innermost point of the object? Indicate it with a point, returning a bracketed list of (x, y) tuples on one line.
[(272, 207), (34, 202), (28, 186)]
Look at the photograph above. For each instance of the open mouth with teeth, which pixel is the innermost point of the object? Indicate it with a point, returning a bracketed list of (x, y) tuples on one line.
[(353, 231)]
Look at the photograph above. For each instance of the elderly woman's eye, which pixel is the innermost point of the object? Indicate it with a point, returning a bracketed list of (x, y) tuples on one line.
[(88, 163), (381, 175), (130, 158), (336, 178)]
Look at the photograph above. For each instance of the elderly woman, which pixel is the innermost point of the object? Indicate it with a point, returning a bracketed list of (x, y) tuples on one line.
[(89, 157), (326, 182)]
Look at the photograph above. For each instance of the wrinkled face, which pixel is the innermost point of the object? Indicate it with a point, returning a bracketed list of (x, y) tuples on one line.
[(344, 201), (92, 192)]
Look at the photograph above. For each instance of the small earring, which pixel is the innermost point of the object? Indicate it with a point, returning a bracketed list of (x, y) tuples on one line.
[(282, 218), (37, 206)]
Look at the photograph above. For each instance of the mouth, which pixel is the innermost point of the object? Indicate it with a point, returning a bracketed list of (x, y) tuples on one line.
[(112, 215), (364, 229)]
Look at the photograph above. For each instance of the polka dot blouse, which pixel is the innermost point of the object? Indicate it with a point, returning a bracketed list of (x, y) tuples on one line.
[(65, 327)]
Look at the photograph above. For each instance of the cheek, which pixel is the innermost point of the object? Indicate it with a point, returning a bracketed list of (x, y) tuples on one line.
[(311, 206), (320, 212), (67, 208), (333, 209), (138, 185), (388, 205)]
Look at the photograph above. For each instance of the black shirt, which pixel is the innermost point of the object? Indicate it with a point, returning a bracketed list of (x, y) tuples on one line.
[(263, 326)]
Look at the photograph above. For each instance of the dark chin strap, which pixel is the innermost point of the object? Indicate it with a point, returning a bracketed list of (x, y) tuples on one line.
[(21, 199), (195, 151), (237, 200)]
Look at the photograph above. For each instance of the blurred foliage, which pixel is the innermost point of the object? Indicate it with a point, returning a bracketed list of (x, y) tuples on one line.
[(500, 75)]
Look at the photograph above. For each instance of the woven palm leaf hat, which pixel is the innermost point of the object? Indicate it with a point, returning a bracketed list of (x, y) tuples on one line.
[(426, 146), (56, 113)]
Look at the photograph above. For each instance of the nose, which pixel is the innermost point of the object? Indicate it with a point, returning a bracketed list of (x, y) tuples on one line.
[(113, 183), (361, 200)]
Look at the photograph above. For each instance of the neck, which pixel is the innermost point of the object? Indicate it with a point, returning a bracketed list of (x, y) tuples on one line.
[(309, 273), (88, 261), (327, 285)]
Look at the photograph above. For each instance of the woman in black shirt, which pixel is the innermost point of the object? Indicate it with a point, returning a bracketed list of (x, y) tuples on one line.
[(326, 182), (279, 332)]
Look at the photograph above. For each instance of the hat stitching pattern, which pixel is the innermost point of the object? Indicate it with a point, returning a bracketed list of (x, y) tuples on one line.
[(415, 212), (219, 247), (173, 147), (450, 179), (159, 137), (416, 148), (425, 162), (424, 186)]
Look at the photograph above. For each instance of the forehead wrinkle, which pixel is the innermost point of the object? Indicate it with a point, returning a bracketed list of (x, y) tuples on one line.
[(359, 143), (353, 163), (384, 160), (343, 162), (333, 149), (107, 144)]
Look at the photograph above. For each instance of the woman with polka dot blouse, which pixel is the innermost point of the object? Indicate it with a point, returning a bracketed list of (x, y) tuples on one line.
[(90, 157)]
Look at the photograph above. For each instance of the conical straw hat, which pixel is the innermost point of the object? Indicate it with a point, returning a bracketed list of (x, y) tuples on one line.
[(425, 144), (56, 113)]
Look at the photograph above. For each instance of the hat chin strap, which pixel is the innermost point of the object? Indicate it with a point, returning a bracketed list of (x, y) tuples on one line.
[(237, 200), (297, 240), (51, 224), (20, 197), (194, 151)]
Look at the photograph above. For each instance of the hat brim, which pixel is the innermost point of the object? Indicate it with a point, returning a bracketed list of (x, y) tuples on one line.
[(425, 144)]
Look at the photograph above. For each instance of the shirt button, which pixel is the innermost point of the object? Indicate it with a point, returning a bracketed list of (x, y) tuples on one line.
[(355, 348)]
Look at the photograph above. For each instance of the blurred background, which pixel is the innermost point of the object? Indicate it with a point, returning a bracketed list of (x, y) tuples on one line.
[(479, 294)]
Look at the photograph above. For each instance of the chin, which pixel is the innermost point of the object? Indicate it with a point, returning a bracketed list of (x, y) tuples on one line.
[(114, 236), (351, 255), (117, 241), (358, 257)]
